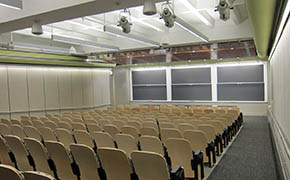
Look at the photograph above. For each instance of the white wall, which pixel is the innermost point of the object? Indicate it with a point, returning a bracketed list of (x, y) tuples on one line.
[(279, 98), (30, 89)]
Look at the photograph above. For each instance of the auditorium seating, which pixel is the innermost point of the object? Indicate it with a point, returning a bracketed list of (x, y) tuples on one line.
[(59, 145)]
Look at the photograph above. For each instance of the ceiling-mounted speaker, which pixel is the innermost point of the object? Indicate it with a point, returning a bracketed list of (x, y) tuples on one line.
[(36, 28), (149, 8)]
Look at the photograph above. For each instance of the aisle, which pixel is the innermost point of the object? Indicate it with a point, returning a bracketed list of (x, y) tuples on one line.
[(251, 155)]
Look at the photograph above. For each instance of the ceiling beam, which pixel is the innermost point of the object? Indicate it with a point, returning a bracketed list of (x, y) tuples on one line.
[(81, 10)]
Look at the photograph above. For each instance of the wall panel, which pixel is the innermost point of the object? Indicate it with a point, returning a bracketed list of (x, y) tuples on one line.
[(77, 90), (51, 89), (18, 88), (36, 88), (65, 92), (88, 93), (4, 95), (97, 88)]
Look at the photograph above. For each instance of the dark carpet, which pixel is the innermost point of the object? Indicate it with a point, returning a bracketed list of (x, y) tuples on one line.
[(251, 156)]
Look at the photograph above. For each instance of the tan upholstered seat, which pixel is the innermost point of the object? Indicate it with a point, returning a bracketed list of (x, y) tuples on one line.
[(87, 161), (150, 166), (180, 153), (61, 159), (32, 132), (93, 128), (39, 155), (52, 125), (64, 125), (111, 129), (130, 130), (37, 123), (118, 123), (115, 163), (26, 122), (169, 133), (16, 122), (47, 134), (9, 173), (78, 126), (150, 125), (83, 137), (64, 136), (4, 153), (126, 142), (135, 124), (4, 129), (208, 130), (166, 125), (20, 152), (32, 175), (151, 143), (18, 130), (6, 121), (185, 126), (149, 132), (104, 139)]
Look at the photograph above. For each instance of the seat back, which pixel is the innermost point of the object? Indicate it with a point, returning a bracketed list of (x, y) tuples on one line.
[(115, 163), (169, 133), (93, 127), (9, 173), (130, 130), (87, 161), (32, 175), (4, 129), (180, 153), (118, 123), (38, 124), (83, 137), (135, 124), (209, 131), (127, 143), (64, 125), (103, 139), (65, 137), (78, 126), (197, 139), (61, 159), (152, 144), (15, 122), (19, 152), (149, 132), (47, 134), (150, 124), (185, 126), (52, 125), (26, 122), (39, 154), (111, 129), (32, 132), (4, 153), (166, 125), (18, 130), (150, 165)]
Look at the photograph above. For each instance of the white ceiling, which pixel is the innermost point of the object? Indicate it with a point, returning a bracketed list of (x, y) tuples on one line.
[(199, 14)]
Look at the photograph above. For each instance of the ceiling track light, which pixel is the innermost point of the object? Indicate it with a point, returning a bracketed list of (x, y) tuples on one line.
[(190, 29), (83, 43), (36, 28), (13, 4), (149, 8), (168, 14), (125, 21), (117, 32)]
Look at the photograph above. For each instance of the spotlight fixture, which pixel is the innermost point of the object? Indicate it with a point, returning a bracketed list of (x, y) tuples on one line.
[(36, 28), (149, 8), (168, 14), (224, 9), (125, 21)]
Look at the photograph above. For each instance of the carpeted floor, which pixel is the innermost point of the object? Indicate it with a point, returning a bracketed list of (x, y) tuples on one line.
[(251, 155)]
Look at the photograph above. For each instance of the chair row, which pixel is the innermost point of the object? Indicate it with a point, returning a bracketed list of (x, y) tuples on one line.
[(81, 161)]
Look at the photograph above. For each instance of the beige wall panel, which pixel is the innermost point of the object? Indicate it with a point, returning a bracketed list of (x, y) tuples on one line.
[(18, 88), (77, 90), (65, 91), (97, 88), (36, 88), (88, 91), (51, 89), (4, 96)]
